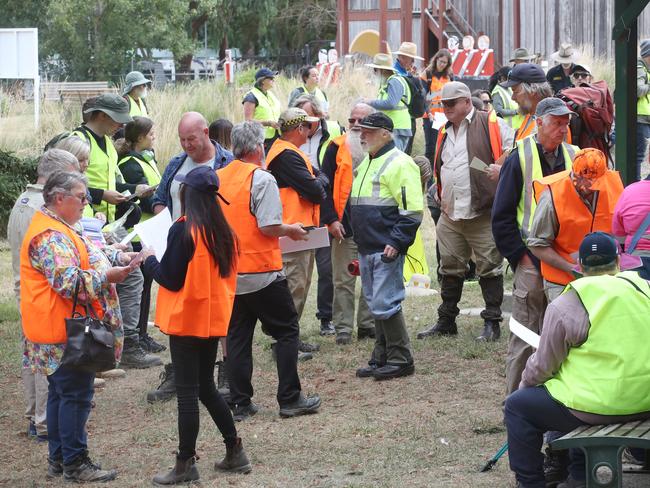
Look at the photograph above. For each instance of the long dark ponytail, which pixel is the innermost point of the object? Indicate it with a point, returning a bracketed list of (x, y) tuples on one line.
[(203, 215)]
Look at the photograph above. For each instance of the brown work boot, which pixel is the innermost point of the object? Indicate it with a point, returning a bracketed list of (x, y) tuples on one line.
[(236, 460), (183, 471)]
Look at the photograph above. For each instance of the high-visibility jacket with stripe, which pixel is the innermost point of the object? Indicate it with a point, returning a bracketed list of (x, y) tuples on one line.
[(574, 218), (334, 130), (609, 373), (202, 308), (43, 310), (268, 108), (531, 170), (136, 107), (399, 115), (505, 94), (102, 169), (294, 208), (342, 184), (258, 253)]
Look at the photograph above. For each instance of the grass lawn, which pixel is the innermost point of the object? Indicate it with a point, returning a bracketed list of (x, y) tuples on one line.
[(433, 429)]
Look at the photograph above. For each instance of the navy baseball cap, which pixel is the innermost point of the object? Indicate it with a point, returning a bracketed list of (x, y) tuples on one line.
[(597, 249), (378, 120), (203, 179), (265, 73), (524, 73)]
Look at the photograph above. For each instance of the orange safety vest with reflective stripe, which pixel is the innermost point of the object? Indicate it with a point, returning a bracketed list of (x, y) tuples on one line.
[(529, 127), (342, 177), (258, 253), (202, 308), (43, 310), (574, 218), (295, 209), (436, 93)]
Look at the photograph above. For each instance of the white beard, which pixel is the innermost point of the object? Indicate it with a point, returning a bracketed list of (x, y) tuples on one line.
[(357, 151)]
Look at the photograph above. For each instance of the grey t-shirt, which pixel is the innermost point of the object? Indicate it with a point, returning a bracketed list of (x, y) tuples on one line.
[(175, 188), (267, 208)]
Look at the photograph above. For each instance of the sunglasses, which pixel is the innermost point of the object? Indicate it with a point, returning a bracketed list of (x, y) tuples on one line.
[(353, 121), (451, 103), (581, 75)]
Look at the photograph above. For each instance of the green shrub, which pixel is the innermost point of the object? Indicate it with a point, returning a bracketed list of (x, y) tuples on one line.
[(15, 174)]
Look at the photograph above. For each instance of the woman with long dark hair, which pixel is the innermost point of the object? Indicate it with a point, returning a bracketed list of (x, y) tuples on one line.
[(436, 75), (197, 277)]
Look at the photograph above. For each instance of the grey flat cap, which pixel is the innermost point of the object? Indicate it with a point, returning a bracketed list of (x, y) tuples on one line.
[(455, 89), (552, 106)]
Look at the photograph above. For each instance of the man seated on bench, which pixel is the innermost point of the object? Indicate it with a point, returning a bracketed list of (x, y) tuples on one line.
[(591, 366)]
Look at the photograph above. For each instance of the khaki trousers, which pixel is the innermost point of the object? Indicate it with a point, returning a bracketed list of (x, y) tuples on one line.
[(298, 268), (343, 252), (528, 307), (36, 387)]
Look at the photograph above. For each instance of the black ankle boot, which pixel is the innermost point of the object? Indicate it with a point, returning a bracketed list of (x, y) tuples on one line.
[(184, 471), (235, 461)]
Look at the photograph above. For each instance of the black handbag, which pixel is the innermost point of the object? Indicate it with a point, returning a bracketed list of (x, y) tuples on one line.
[(91, 344)]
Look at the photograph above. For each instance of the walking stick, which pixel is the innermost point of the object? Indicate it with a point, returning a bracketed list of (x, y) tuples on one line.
[(490, 464)]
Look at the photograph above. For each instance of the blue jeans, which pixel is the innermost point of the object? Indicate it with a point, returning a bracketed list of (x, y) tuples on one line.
[(529, 412), (642, 136), (401, 142), (68, 406), (383, 284)]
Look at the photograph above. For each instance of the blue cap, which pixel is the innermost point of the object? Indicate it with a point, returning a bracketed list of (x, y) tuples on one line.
[(203, 179), (524, 73), (597, 249), (265, 73)]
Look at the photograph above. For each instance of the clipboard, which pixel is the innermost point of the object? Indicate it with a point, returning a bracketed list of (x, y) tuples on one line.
[(317, 237)]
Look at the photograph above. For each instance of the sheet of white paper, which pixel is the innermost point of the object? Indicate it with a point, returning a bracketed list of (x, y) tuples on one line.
[(129, 238), (478, 164), (318, 237), (524, 333), (153, 232), (439, 120)]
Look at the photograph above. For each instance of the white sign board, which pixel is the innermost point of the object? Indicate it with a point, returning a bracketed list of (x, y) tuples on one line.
[(19, 59)]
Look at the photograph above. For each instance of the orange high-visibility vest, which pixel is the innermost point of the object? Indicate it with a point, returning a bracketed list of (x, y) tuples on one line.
[(202, 308), (574, 218), (43, 310), (436, 93), (294, 208), (258, 253), (342, 177), (529, 125)]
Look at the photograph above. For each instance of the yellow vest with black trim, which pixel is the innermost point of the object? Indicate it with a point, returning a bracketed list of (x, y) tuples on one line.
[(136, 108), (151, 173), (102, 170), (268, 108), (400, 115), (334, 130), (531, 170), (643, 103), (513, 121), (609, 373)]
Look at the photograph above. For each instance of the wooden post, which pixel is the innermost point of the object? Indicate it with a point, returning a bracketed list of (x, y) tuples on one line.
[(406, 21), (424, 30), (442, 21), (516, 18), (343, 32), (383, 26)]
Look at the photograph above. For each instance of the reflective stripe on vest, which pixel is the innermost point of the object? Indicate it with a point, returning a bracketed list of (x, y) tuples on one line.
[(513, 121), (342, 176), (531, 170), (334, 130), (528, 128), (202, 308), (575, 219), (435, 93), (136, 108), (151, 173), (361, 194), (609, 373), (295, 209), (268, 108), (258, 253), (400, 115), (102, 170), (643, 103), (43, 310)]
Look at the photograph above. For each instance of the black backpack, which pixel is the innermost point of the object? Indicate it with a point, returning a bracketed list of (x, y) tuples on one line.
[(418, 105)]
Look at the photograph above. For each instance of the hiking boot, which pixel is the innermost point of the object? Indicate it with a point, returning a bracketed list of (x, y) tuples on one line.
[(223, 386), (242, 412), (167, 388), (302, 406), (148, 344), (99, 383), (54, 468), (134, 357), (343, 338), (572, 483), (440, 328), (304, 356), (368, 333), (31, 430), (556, 467), (183, 471), (236, 460), (491, 331), (390, 371), (367, 372), (83, 470), (307, 347), (326, 328)]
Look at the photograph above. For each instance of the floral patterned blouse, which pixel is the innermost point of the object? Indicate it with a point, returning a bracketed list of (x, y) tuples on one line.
[(55, 255)]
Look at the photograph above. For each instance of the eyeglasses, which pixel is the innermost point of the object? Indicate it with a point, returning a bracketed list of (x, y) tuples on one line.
[(581, 75), (486, 102), (352, 121), (82, 198), (451, 103)]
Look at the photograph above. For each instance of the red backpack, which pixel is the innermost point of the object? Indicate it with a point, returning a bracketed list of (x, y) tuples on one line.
[(595, 109)]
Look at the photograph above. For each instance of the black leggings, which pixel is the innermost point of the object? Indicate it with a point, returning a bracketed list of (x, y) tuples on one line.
[(193, 359)]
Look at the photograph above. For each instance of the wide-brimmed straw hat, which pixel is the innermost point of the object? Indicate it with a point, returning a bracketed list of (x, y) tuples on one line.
[(408, 49), (382, 61), (566, 54)]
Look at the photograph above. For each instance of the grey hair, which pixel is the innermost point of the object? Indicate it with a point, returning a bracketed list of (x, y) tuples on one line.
[(246, 137), (54, 160), (601, 269), (62, 182), (315, 104), (75, 145), (371, 110), (540, 90)]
